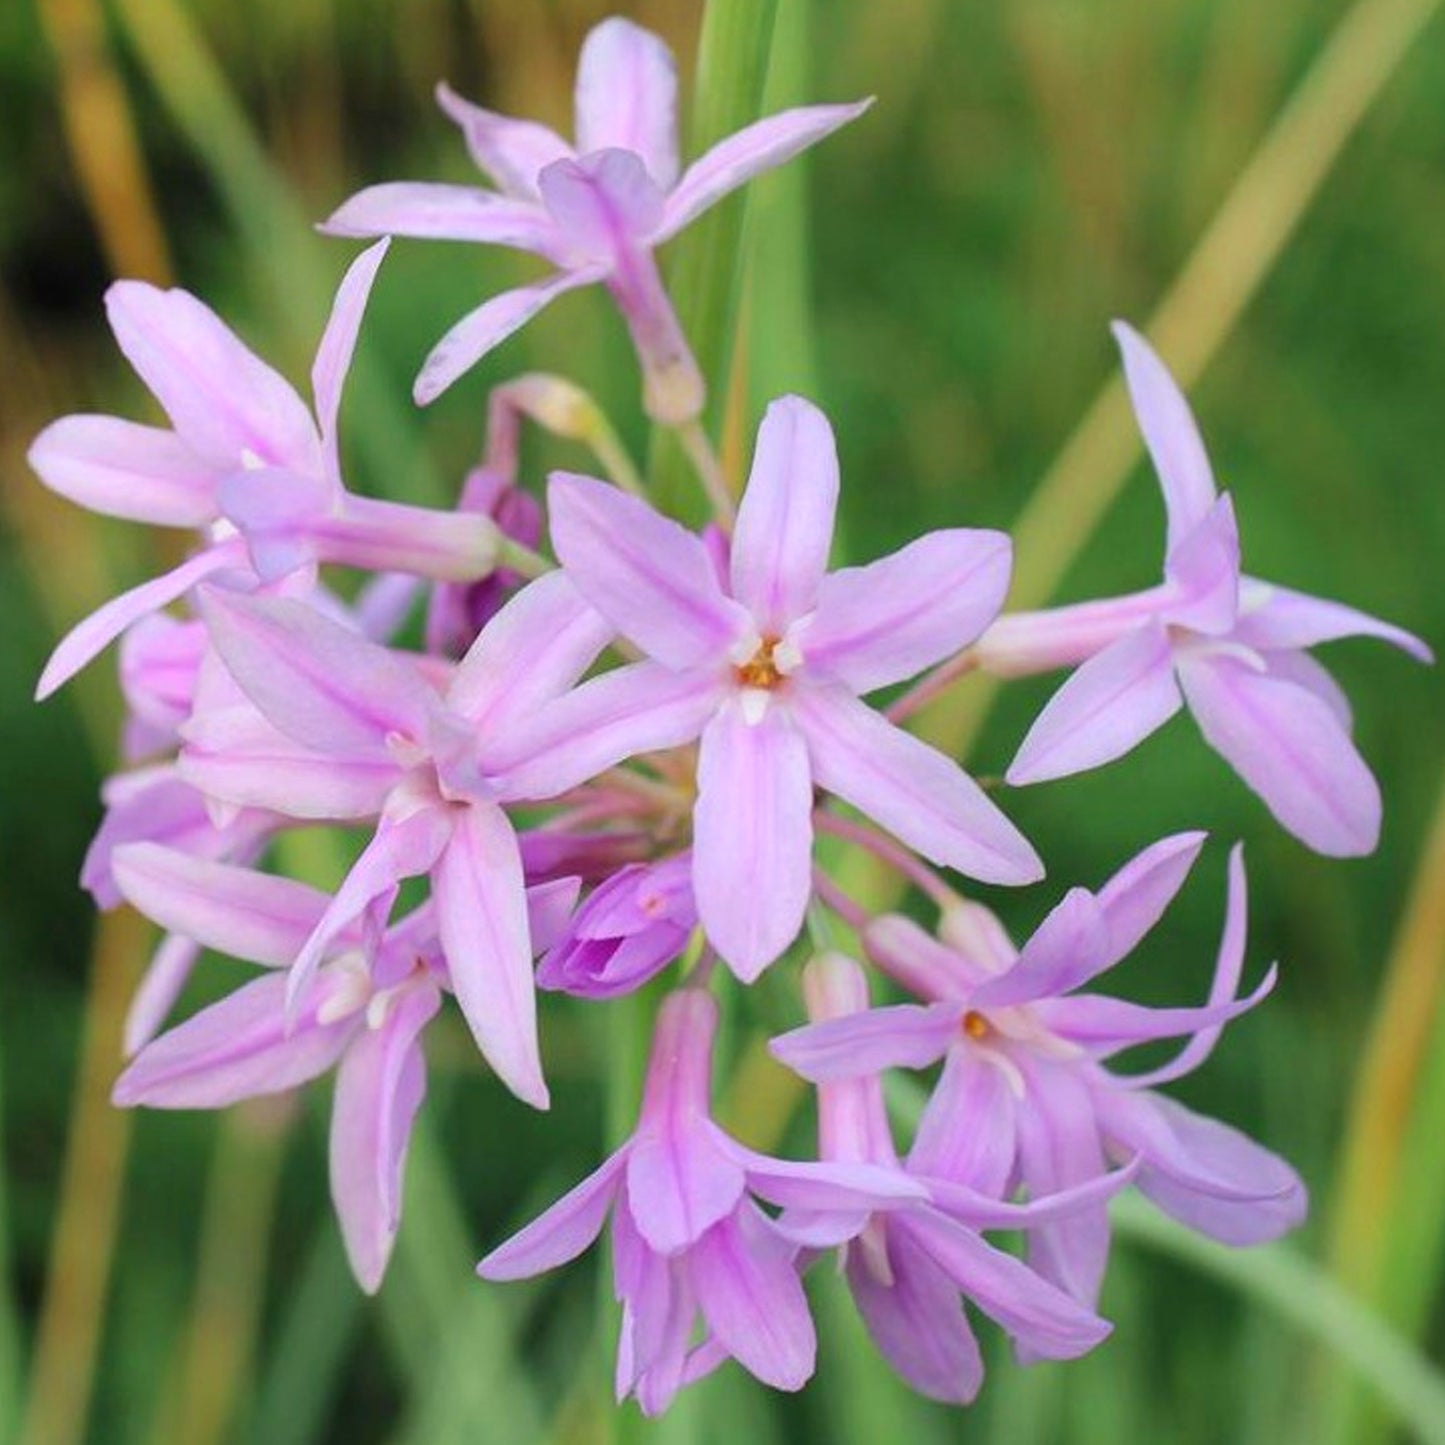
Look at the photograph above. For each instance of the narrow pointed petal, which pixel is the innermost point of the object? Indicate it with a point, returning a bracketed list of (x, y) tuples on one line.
[(1302, 670), (1170, 433), (320, 683), (1022, 644), (1135, 898), (123, 469), (917, 1322), (338, 343), (563, 1232), (530, 653), (753, 821), (482, 917), (223, 399), (432, 210), (236, 1049), (785, 523), (826, 1186), (487, 327), (627, 96), (1203, 570), (625, 713), (968, 1133), (1111, 704), (1277, 617), (648, 576), (379, 1088), (91, 636), (919, 795), (1289, 747), (549, 911), (254, 916), (753, 1300), (901, 1036), (1069, 947), (881, 623), (746, 153), (513, 152), (1034, 1312), (984, 1211), (156, 995)]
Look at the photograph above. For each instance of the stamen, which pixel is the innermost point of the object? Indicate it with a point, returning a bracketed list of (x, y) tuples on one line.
[(975, 1025), (762, 669)]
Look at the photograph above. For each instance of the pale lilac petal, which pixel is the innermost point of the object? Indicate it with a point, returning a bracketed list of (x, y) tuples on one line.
[(983, 1211), (1170, 433), (563, 1232), (1277, 617), (482, 918), (236, 1049), (1112, 703), (967, 1133), (930, 968), (785, 523), (919, 795), (433, 210), (1135, 898), (549, 911), (627, 96), (753, 1300), (1069, 947), (1289, 747), (680, 1181), (338, 342), (1205, 1174), (746, 153), (917, 1321), (283, 517), (823, 1186), (1034, 1312), (1304, 671), (224, 400), (90, 637), (511, 151), (1204, 571), (625, 713), (155, 996), (320, 683), (902, 1036), (123, 469), (488, 326), (533, 650), (604, 204), (379, 1088), (753, 821), (889, 620), (254, 916), (1021, 644), (648, 576)]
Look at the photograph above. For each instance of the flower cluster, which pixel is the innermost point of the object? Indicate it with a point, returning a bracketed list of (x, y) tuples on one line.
[(613, 768)]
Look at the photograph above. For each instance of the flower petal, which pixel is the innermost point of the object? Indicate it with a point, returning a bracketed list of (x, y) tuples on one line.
[(1304, 671), (753, 821), (338, 343), (1290, 748), (648, 576), (1203, 570), (379, 1088), (889, 620), (509, 150), (739, 157), (563, 1232), (432, 210), (785, 522), (1277, 617), (1135, 898), (1113, 702), (968, 1134), (901, 1036), (156, 994), (627, 96), (482, 918), (1069, 947), (123, 469), (919, 795), (224, 400), (1169, 432)]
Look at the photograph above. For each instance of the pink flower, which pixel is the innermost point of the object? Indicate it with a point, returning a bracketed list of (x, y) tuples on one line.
[(768, 670), (1231, 647), (687, 1237), (596, 211)]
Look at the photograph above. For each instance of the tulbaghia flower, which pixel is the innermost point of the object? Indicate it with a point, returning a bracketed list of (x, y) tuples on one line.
[(907, 1267), (636, 923), (1025, 1097), (687, 1236), (341, 728), (243, 453), (596, 211), (1231, 647), (768, 671)]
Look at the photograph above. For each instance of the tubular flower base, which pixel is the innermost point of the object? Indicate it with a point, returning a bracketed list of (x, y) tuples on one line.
[(604, 772)]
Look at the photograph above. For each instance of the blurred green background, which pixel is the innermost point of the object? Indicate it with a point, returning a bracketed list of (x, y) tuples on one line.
[(940, 277)]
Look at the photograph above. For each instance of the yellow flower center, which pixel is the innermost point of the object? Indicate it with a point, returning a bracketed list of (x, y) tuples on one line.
[(761, 669)]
